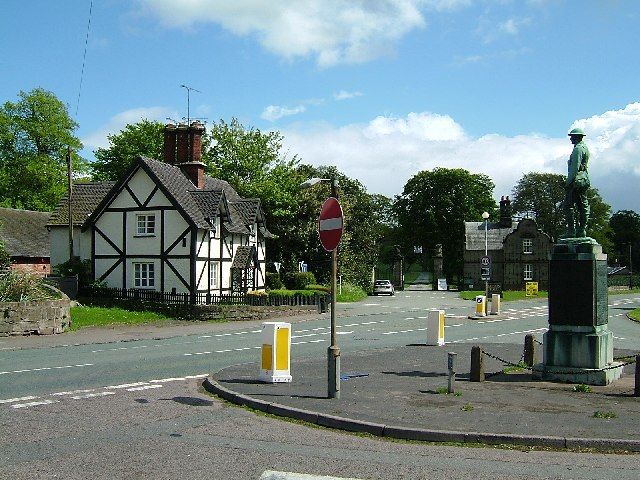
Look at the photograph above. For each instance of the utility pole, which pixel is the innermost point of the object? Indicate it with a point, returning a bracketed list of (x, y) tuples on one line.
[(69, 190)]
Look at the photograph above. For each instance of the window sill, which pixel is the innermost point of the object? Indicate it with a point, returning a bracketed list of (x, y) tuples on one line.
[(144, 235)]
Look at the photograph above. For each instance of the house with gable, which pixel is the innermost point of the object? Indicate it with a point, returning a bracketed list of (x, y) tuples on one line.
[(166, 226), (519, 251)]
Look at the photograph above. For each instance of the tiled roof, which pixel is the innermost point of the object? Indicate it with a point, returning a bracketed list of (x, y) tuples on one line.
[(243, 257), (208, 202), (85, 198), (24, 232), (474, 235)]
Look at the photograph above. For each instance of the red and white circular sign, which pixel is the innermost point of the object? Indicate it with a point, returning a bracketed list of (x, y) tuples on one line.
[(330, 224)]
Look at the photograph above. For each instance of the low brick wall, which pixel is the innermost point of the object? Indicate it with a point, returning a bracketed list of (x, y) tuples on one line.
[(43, 317)]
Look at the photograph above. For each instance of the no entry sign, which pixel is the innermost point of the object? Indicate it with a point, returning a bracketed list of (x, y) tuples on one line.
[(330, 224)]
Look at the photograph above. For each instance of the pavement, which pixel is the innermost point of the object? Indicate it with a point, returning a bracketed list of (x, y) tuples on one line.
[(398, 393)]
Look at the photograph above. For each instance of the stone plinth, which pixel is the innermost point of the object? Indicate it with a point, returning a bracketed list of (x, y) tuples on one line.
[(578, 347)]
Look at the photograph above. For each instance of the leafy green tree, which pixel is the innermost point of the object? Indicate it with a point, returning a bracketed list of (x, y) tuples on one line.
[(142, 138), (541, 195), (433, 207), (35, 132), (625, 235)]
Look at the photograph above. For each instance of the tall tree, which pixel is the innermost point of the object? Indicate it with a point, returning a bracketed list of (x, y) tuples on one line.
[(541, 194), (35, 132), (625, 236), (434, 206), (142, 138)]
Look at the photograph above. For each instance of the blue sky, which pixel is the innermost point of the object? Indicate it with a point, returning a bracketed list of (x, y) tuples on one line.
[(380, 88)]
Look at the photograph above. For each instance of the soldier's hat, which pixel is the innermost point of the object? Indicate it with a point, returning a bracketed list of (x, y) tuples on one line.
[(577, 131)]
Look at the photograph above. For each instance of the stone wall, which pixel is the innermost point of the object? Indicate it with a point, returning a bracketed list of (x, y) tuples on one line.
[(43, 317)]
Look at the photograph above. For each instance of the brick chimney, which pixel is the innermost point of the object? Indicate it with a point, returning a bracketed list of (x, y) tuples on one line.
[(506, 219), (182, 134), (170, 143), (191, 164)]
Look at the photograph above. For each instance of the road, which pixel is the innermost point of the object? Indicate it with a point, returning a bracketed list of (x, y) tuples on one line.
[(72, 408)]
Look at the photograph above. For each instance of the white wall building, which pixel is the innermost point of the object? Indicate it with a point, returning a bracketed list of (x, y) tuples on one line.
[(166, 226)]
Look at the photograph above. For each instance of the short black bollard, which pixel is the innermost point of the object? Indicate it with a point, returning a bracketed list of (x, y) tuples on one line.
[(636, 390), (451, 360), (476, 373), (529, 350)]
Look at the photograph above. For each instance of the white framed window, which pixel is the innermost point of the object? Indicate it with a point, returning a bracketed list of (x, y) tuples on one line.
[(145, 225), (527, 245), (143, 275), (528, 271), (213, 274)]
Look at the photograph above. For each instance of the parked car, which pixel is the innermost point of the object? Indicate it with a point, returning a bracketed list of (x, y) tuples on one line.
[(383, 287)]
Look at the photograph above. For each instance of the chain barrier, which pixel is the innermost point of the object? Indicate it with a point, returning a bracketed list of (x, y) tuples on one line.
[(562, 372), (538, 342)]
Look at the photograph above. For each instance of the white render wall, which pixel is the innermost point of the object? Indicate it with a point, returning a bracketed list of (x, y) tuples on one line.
[(59, 244)]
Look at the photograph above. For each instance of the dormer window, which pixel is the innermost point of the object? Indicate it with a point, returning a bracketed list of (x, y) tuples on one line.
[(145, 225), (527, 245)]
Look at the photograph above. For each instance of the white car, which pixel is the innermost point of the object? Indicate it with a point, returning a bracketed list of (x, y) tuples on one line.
[(383, 287)]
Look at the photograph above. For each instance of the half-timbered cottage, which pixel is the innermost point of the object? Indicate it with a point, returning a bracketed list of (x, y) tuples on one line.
[(166, 226)]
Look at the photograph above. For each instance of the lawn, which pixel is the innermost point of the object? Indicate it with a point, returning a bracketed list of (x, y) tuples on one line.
[(623, 292), (507, 295), (635, 315), (82, 317)]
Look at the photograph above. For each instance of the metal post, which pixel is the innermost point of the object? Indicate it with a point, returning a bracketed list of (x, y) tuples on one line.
[(333, 353), (451, 359), (630, 269), (636, 390), (486, 253), (69, 189)]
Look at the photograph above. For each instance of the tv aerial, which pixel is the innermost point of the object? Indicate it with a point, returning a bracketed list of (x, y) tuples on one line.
[(189, 90)]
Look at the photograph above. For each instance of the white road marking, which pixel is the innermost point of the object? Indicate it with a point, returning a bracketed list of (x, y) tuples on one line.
[(126, 385), (72, 392), (144, 387), (47, 368), (343, 333), (92, 395), (19, 399), (34, 404)]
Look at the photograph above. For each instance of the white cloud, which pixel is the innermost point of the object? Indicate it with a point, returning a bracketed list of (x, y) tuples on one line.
[(332, 31), (344, 95), (98, 138), (384, 153), (274, 112), (513, 25)]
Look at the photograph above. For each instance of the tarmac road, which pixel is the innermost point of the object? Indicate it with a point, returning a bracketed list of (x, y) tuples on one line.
[(126, 409)]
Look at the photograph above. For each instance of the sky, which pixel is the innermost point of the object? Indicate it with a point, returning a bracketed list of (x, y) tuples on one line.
[(382, 89)]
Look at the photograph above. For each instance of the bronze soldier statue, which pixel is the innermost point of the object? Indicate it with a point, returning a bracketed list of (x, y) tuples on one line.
[(576, 203)]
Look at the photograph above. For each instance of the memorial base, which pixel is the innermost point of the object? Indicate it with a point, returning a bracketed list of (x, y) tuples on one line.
[(587, 376)]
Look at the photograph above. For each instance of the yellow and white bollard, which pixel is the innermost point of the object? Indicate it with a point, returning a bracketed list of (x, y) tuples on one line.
[(276, 352), (495, 304), (435, 327), (481, 306)]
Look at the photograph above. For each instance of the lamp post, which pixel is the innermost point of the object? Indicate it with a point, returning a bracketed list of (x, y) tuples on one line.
[(333, 352), (485, 216)]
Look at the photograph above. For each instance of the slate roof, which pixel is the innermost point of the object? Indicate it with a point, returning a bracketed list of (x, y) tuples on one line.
[(474, 235), (86, 197), (24, 232)]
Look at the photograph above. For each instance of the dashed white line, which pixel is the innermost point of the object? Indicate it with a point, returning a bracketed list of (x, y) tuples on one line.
[(73, 392), (126, 385), (34, 404), (143, 387), (92, 395), (19, 399)]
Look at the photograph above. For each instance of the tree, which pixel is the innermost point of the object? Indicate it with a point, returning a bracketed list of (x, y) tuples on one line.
[(625, 235), (541, 194), (434, 206), (35, 133), (142, 138)]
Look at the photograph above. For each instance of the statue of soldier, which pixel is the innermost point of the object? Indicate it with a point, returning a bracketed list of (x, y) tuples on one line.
[(576, 203)]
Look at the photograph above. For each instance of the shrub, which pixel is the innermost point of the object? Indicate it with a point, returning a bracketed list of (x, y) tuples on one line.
[(23, 287), (299, 280), (273, 281), (75, 266)]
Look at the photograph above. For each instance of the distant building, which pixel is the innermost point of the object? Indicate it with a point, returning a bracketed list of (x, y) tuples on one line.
[(26, 238), (519, 251)]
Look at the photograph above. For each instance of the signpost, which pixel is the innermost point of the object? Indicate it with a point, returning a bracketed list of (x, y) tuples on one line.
[(485, 272), (330, 231)]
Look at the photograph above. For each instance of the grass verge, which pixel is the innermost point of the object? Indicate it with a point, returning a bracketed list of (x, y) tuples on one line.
[(82, 317), (507, 295), (635, 315), (350, 293), (623, 292)]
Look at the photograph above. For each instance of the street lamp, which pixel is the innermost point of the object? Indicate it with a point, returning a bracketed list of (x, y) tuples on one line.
[(485, 216), (333, 352)]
